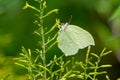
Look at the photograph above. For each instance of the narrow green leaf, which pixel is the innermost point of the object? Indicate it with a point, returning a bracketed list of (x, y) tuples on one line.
[(51, 45), (107, 65), (50, 63), (63, 79), (39, 74), (72, 75), (21, 65), (29, 52), (36, 59), (91, 78), (37, 32), (90, 63), (21, 54), (44, 68), (81, 64), (55, 57), (21, 60), (24, 50), (49, 41), (92, 67), (53, 27), (95, 55), (29, 6), (115, 14), (107, 77), (78, 76), (50, 12), (6, 77), (67, 63), (106, 53), (59, 70), (44, 4), (67, 74), (102, 52), (97, 73)]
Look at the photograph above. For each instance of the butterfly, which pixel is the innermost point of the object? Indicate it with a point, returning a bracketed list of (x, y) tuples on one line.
[(71, 38)]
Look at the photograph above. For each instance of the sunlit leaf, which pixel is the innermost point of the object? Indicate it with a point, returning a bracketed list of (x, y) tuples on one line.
[(115, 14)]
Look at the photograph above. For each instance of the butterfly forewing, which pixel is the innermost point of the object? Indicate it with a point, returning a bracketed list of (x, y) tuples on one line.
[(66, 44)]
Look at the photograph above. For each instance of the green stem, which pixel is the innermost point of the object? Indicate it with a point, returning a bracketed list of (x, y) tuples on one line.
[(30, 72), (96, 68), (31, 75), (86, 62), (43, 37)]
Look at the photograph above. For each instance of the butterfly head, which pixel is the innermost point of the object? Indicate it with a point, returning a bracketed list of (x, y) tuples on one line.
[(63, 27)]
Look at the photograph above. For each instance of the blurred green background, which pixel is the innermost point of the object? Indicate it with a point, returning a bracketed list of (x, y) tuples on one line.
[(16, 29)]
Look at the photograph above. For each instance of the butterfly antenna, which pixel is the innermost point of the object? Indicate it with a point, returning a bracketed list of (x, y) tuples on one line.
[(70, 19)]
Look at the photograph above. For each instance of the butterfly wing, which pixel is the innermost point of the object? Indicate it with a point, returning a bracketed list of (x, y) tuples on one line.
[(74, 38), (66, 44), (80, 36)]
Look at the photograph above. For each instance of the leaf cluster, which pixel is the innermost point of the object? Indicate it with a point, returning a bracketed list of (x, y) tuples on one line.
[(57, 69)]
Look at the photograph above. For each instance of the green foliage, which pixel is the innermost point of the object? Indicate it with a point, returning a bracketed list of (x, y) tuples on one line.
[(57, 68), (6, 77), (115, 14)]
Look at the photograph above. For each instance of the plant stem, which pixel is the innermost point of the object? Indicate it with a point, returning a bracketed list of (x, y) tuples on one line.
[(95, 71), (86, 62), (96, 68), (43, 37)]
